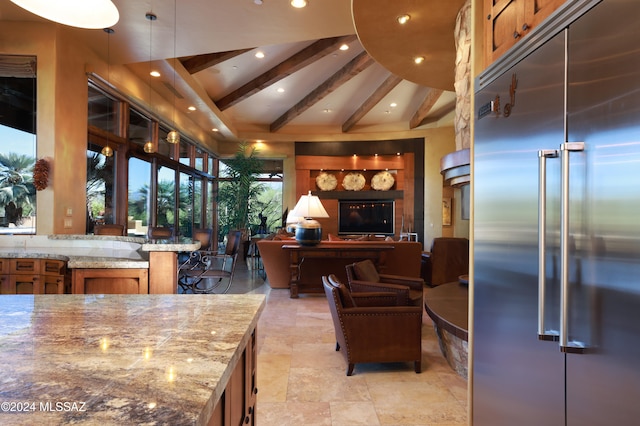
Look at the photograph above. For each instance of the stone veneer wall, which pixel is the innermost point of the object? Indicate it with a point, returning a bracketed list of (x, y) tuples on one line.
[(462, 80), (455, 350)]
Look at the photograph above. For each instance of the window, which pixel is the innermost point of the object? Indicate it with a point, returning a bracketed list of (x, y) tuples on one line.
[(104, 118), (139, 128), (264, 199), (170, 187), (103, 111), (166, 204), (100, 188), (17, 144), (185, 157), (185, 208), (199, 159), (165, 148), (139, 208)]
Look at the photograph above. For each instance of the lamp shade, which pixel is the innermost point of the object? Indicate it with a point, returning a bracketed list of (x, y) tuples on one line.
[(292, 221), (91, 14), (309, 206), (308, 230)]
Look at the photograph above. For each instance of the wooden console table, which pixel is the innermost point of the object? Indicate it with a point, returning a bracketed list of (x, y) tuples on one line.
[(298, 253)]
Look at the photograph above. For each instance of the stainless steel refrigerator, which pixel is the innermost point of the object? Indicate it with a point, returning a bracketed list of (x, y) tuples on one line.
[(556, 320)]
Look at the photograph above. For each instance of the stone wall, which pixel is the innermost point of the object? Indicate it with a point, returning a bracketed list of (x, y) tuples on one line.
[(462, 82)]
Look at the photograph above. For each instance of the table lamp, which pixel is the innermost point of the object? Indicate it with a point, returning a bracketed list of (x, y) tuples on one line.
[(308, 230), (292, 221)]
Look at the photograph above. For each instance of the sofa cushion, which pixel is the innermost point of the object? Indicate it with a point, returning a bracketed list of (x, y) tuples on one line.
[(366, 271)]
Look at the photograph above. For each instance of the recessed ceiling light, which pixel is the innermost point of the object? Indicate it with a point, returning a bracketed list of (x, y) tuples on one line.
[(215, 129), (418, 59), (191, 108), (280, 90), (344, 47), (259, 54), (155, 73), (326, 110), (403, 19), (298, 4), (393, 104)]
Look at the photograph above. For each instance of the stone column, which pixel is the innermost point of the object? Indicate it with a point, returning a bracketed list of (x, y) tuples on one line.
[(462, 82)]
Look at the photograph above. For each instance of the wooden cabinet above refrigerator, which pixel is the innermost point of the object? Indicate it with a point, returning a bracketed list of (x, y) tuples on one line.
[(508, 21)]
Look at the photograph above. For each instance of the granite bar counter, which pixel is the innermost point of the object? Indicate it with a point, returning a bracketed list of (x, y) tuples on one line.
[(138, 265), (122, 360)]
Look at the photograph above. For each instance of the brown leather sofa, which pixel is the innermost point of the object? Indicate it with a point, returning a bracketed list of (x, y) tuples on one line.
[(448, 259), (373, 332), (404, 259)]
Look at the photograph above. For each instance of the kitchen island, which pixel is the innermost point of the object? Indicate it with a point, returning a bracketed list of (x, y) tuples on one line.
[(96, 264), (128, 359)]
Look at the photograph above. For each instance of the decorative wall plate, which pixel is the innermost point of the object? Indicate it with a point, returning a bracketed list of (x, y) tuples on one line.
[(382, 181), (353, 181), (326, 181)]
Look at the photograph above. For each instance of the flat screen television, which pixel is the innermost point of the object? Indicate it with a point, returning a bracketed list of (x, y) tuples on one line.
[(366, 217)]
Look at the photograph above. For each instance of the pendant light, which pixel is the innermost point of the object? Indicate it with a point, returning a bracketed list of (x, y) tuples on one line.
[(173, 136), (90, 14), (107, 151), (148, 146)]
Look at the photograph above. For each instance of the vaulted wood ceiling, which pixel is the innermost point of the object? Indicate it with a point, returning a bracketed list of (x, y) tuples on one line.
[(304, 85)]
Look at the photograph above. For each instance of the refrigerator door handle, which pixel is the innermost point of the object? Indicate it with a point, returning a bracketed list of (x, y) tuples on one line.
[(543, 333), (565, 344)]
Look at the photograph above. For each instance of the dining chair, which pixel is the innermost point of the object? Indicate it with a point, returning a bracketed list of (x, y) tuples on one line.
[(111, 229), (159, 233), (210, 272)]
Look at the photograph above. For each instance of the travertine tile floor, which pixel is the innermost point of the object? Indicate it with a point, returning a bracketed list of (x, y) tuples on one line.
[(302, 379)]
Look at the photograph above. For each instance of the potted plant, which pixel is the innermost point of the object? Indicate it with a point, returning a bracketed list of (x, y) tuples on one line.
[(238, 191)]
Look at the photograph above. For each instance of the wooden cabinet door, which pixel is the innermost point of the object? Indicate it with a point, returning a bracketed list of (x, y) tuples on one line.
[(5, 285), (110, 281), (25, 284), (508, 21), (53, 284), (251, 385), (505, 20), (4, 266), (537, 10)]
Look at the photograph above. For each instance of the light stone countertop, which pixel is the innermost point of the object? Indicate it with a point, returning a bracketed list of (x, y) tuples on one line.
[(119, 359), (91, 251)]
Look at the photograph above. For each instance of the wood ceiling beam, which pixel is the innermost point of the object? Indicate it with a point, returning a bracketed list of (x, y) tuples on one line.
[(423, 110), (346, 73), (373, 100), (198, 63), (450, 107), (306, 56)]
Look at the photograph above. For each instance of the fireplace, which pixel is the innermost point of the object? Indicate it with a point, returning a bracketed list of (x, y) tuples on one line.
[(366, 217)]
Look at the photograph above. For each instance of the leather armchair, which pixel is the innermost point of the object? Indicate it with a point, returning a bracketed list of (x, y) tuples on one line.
[(368, 329), (449, 258), (363, 276)]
